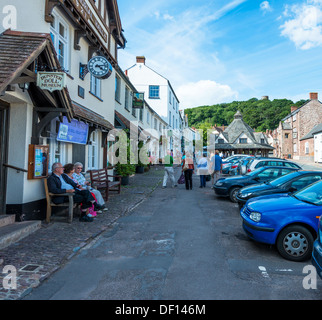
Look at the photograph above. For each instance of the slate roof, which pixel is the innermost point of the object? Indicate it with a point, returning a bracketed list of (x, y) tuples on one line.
[(236, 129), (315, 130)]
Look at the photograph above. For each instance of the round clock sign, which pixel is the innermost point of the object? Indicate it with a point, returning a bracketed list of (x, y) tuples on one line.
[(99, 67)]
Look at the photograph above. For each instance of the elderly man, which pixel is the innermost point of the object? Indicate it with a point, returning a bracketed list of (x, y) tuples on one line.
[(59, 183)]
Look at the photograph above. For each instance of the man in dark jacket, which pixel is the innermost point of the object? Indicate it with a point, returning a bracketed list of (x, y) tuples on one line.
[(59, 183)]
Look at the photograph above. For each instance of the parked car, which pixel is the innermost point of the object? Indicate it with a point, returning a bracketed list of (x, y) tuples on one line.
[(241, 167), (288, 221), (317, 251), (235, 156), (230, 186), (226, 166), (263, 162), (291, 182)]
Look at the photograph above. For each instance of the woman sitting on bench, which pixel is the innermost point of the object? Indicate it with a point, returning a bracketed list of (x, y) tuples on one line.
[(59, 183)]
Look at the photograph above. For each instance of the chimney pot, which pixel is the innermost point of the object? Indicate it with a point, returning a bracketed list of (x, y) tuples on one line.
[(140, 59), (313, 96), (293, 108)]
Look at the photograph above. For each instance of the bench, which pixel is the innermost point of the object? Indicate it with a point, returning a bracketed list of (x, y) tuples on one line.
[(70, 204), (100, 180)]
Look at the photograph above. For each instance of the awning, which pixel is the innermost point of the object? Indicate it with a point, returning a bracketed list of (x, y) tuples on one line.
[(86, 115)]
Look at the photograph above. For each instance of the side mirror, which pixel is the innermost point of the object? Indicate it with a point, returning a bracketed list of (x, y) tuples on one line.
[(292, 189)]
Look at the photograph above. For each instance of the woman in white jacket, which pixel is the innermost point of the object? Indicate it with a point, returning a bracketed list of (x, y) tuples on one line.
[(203, 170)]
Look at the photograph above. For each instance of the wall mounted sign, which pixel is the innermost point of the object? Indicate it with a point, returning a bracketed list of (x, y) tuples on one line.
[(51, 81), (73, 132), (138, 100), (87, 13), (100, 67)]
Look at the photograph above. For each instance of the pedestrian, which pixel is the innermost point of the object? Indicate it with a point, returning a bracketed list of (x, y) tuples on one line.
[(188, 169), (216, 168), (203, 170), (168, 171)]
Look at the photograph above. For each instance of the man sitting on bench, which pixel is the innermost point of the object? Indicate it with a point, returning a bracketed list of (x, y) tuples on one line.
[(59, 183)]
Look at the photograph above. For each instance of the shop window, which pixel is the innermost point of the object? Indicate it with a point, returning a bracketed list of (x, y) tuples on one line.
[(96, 87)]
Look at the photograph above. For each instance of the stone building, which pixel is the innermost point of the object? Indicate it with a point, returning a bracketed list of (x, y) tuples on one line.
[(293, 138)]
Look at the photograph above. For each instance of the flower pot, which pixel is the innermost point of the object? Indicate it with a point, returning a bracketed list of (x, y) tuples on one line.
[(139, 169), (125, 180)]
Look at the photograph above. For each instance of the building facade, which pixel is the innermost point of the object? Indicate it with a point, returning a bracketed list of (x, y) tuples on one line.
[(54, 36)]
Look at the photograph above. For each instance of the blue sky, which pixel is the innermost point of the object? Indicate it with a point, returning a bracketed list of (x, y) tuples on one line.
[(225, 50)]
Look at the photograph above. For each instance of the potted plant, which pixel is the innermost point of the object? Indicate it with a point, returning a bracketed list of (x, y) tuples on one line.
[(126, 169), (140, 167)]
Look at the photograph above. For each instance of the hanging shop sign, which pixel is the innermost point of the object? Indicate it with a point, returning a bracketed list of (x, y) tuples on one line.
[(51, 81), (138, 100), (100, 67), (73, 132)]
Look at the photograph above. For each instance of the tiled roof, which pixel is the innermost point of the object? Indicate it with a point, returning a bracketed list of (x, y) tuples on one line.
[(17, 51)]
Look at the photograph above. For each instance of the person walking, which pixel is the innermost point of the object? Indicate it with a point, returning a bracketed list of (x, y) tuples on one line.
[(203, 170), (188, 169), (168, 171), (216, 168)]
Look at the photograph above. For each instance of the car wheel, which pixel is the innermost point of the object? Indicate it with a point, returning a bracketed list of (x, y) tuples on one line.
[(295, 243), (233, 193)]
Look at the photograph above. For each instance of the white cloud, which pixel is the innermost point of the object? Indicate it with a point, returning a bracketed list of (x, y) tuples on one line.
[(304, 26), (204, 92), (265, 6)]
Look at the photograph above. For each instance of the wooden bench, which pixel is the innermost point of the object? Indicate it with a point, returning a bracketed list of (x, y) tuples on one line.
[(100, 180), (70, 204)]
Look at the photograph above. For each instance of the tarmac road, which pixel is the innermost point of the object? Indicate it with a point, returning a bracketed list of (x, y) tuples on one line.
[(178, 245)]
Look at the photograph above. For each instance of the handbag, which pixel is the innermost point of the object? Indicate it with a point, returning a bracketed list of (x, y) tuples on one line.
[(181, 180)]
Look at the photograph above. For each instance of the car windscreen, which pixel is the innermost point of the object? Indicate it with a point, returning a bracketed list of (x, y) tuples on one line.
[(311, 194), (281, 180)]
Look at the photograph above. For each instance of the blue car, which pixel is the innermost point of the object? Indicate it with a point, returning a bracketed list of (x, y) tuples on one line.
[(289, 221), (317, 251)]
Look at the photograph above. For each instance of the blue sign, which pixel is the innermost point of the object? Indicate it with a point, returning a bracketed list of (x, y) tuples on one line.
[(73, 132)]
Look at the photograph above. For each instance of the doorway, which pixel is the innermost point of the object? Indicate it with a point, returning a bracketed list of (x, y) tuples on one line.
[(4, 133)]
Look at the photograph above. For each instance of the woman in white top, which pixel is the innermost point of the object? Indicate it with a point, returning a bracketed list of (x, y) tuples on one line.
[(203, 170), (80, 179)]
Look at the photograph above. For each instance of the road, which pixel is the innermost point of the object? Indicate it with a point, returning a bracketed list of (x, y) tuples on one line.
[(178, 245)]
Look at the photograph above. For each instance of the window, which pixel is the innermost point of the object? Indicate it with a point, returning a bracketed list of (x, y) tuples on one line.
[(295, 148), (147, 116), (170, 118), (155, 124), (286, 135), (117, 88), (141, 115), (93, 151), (243, 140), (307, 149), (154, 92), (304, 181), (127, 92), (59, 34), (221, 141), (95, 86)]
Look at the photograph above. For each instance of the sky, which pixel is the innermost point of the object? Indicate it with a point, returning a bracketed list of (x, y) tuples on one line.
[(219, 51)]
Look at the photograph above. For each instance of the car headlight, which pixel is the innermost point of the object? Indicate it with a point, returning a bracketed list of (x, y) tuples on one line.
[(245, 195), (255, 216), (218, 183)]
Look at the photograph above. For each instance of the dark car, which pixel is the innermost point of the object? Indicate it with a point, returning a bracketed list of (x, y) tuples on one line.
[(291, 182), (226, 166), (229, 187)]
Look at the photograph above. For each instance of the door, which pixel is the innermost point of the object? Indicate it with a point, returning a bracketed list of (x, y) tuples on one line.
[(4, 132)]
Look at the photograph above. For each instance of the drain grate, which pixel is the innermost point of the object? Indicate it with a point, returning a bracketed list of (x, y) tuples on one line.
[(30, 268)]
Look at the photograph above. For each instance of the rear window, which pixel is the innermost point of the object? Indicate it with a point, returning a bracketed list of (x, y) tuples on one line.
[(291, 165)]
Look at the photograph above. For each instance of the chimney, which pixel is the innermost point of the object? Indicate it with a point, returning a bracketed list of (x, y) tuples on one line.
[(140, 59), (313, 96), (293, 108)]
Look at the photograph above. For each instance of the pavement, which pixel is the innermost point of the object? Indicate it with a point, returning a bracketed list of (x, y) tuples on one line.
[(35, 258)]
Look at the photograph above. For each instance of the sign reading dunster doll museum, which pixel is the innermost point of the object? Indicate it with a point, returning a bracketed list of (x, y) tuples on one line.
[(51, 81)]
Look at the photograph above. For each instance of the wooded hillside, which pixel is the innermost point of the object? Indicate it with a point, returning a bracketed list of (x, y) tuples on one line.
[(258, 114)]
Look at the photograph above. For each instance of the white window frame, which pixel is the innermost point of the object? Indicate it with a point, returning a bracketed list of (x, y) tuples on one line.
[(93, 151), (95, 86), (54, 30)]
